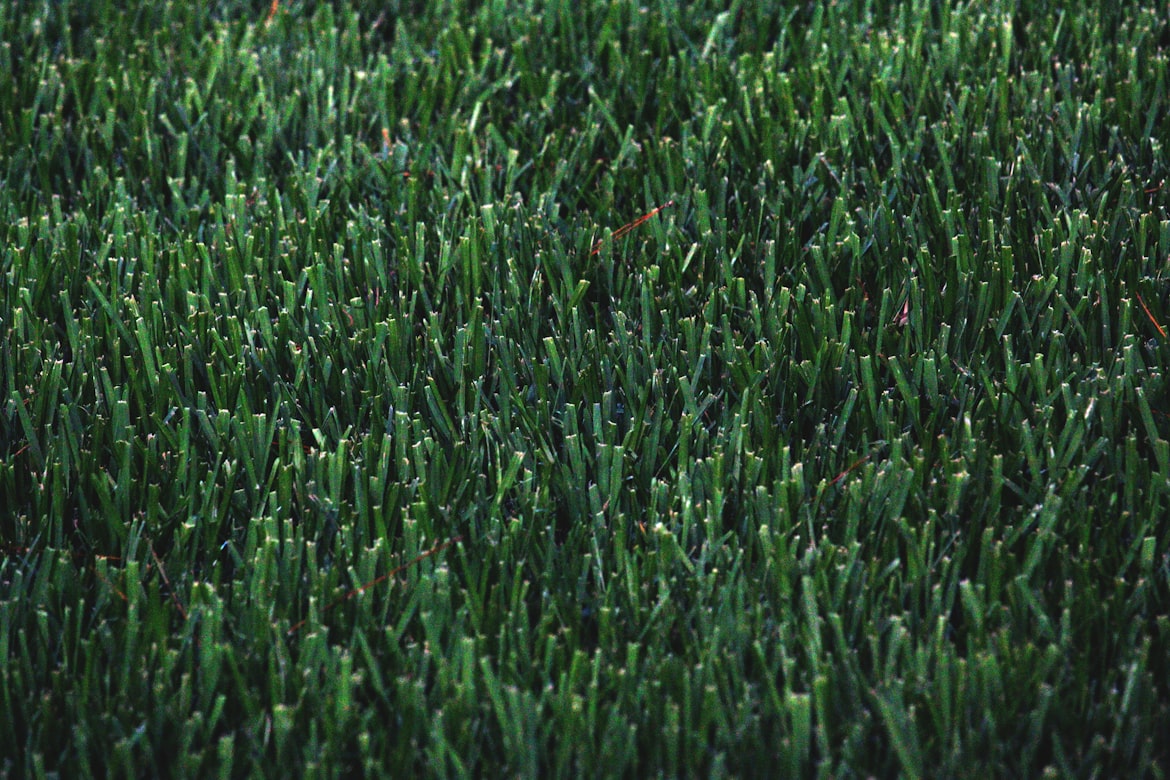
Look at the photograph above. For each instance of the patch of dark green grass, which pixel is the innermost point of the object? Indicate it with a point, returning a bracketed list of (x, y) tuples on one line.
[(345, 429)]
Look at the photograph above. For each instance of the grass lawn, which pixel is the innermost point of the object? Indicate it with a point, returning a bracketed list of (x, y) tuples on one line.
[(353, 422)]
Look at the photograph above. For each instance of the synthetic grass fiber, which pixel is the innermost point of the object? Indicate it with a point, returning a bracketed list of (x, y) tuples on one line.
[(346, 429)]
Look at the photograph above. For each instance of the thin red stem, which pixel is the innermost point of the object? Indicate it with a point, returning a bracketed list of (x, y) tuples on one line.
[(626, 228), (436, 549)]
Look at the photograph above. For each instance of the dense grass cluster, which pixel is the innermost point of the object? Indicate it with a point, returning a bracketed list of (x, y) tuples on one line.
[(854, 461)]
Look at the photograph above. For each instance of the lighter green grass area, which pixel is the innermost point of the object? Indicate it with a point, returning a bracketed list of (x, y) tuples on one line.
[(853, 462)]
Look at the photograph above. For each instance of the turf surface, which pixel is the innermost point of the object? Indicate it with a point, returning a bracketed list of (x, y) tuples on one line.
[(346, 428)]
